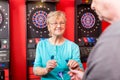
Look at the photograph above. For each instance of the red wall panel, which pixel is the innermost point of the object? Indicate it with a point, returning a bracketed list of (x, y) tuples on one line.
[(104, 25), (17, 40)]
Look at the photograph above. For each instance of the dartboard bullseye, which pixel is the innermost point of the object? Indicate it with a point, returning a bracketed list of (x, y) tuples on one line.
[(88, 20), (39, 19)]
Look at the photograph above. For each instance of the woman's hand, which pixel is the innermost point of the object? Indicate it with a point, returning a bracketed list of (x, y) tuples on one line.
[(72, 64), (51, 64)]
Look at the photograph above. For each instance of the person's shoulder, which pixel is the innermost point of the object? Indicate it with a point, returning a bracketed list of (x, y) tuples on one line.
[(112, 29), (111, 32), (71, 43), (42, 41)]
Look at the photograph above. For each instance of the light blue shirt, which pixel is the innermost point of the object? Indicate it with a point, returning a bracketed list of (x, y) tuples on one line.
[(62, 53)]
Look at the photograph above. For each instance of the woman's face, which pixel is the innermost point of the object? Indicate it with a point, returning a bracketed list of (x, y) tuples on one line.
[(57, 27)]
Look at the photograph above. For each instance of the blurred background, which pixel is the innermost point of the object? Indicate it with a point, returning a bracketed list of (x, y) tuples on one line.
[(23, 25)]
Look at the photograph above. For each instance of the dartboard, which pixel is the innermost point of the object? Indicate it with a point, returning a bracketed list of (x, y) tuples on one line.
[(88, 20), (1, 18), (88, 24), (39, 19), (36, 19)]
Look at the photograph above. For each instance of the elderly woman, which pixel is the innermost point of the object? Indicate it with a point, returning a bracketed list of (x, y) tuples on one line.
[(56, 55)]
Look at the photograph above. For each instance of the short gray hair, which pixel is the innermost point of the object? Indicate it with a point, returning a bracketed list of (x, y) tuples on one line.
[(53, 15)]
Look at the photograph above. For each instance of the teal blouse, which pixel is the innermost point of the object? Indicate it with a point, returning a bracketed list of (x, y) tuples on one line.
[(61, 53)]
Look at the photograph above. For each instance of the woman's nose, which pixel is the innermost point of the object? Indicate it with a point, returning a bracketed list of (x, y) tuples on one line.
[(58, 25)]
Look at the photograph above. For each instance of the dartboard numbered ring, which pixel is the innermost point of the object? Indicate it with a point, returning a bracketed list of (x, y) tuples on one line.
[(87, 20), (36, 19)]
